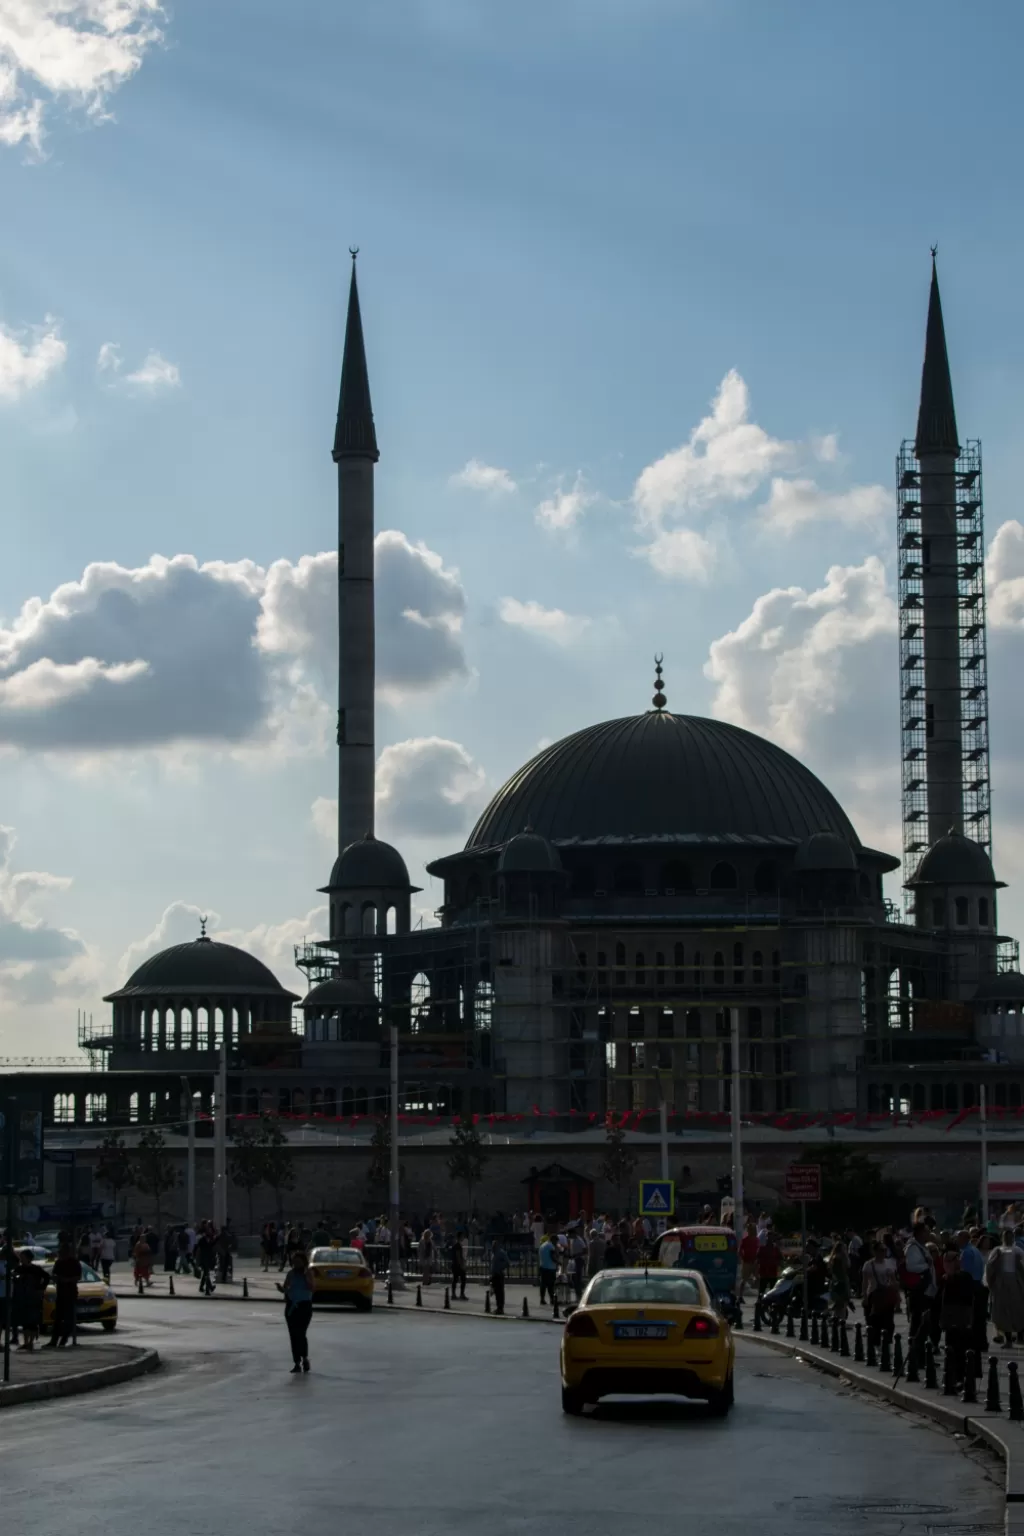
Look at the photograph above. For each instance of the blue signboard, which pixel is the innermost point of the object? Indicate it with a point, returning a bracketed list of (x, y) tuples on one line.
[(657, 1197)]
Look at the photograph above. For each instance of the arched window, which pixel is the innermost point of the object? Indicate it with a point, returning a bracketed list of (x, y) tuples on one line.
[(419, 1003), (666, 1024), (723, 877), (620, 965), (678, 958), (737, 965), (346, 1102), (330, 1103), (918, 1098), (133, 1109), (952, 1098), (757, 967), (628, 880), (693, 1023), (392, 920), (635, 1024), (63, 1109), (218, 1026), (982, 911), (203, 1029), (766, 878), (168, 1042), (698, 969), (186, 1029), (676, 877), (641, 969), (754, 1023), (95, 1108), (719, 968), (936, 1096), (659, 966), (602, 968), (369, 917)]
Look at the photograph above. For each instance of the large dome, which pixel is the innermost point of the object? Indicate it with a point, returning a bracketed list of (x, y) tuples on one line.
[(201, 966), (660, 775)]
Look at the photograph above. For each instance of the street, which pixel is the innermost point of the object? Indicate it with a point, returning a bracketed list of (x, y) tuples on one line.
[(445, 1424)]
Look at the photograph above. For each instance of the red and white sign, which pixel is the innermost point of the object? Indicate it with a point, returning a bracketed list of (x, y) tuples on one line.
[(803, 1181)]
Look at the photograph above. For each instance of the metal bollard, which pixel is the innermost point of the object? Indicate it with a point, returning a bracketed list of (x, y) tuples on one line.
[(447, 1300), (823, 1334), (970, 1391), (858, 1342), (391, 1295), (526, 1308), (835, 1335), (885, 1354), (872, 1359), (773, 1326), (931, 1379), (992, 1403), (790, 1330), (757, 1318), (1013, 1394), (554, 1310), (738, 1324), (487, 1301), (140, 1287), (419, 1296), (948, 1377), (803, 1327), (245, 1289), (897, 1355), (170, 1285), (844, 1340), (913, 1359), (814, 1328)]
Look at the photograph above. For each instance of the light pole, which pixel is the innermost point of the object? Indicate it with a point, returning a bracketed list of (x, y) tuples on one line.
[(737, 1141), (396, 1275), (220, 1146), (188, 1110)]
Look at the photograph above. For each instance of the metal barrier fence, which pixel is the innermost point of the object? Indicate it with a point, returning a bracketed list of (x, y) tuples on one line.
[(522, 1268)]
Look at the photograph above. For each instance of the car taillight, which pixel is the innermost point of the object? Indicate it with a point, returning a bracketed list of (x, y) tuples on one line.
[(701, 1328), (581, 1326), (364, 1272)]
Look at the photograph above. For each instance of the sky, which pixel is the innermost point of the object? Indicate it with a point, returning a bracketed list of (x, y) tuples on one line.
[(644, 286)]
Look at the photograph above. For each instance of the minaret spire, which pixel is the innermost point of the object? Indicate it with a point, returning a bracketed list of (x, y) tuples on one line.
[(355, 454), (354, 436), (936, 417)]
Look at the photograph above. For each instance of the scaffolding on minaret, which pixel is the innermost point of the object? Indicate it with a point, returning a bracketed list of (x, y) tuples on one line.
[(973, 661)]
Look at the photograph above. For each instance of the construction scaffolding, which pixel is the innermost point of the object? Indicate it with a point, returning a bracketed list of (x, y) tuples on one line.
[(914, 564)]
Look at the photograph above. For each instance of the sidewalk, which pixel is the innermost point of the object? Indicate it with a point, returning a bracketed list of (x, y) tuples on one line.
[(997, 1430), (44, 1373)]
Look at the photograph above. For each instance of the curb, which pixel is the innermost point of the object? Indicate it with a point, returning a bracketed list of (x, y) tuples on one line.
[(990, 1428), (380, 1304), (144, 1361)]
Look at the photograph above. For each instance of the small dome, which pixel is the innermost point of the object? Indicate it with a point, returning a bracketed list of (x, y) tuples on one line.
[(340, 992), (1005, 987), (825, 851), (955, 860), (530, 853), (368, 864), (201, 966)]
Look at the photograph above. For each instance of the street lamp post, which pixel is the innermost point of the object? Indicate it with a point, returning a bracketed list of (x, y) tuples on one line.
[(396, 1274), (737, 1137), (220, 1147)]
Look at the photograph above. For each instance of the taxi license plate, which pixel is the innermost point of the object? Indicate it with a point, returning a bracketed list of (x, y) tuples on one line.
[(340, 1274), (641, 1330)]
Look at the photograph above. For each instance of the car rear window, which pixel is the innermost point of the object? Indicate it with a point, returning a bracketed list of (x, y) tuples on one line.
[(336, 1256), (675, 1290)]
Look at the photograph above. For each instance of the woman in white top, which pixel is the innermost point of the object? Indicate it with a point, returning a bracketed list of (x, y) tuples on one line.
[(880, 1291)]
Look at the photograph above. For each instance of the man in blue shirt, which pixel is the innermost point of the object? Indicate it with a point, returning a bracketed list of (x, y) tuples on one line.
[(547, 1260), (972, 1259), (972, 1262)]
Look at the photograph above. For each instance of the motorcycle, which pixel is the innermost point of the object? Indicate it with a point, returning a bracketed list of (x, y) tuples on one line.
[(786, 1296)]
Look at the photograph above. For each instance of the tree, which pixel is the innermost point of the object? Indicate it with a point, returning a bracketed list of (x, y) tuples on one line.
[(114, 1168), (854, 1193), (619, 1163), (154, 1172), (247, 1161), (378, 1175), (278, 1162), (466, 1163)]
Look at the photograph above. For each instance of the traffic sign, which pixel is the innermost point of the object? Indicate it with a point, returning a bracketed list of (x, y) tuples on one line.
[(657, 1197), (803, 1181)]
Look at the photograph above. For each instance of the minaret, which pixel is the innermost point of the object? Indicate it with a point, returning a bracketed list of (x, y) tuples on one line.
[(355, 453), (937, 447)]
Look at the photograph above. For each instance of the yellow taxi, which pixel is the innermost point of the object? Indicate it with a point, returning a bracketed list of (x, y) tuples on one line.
[(647, 1333), (96, 1301), (341, 1274)]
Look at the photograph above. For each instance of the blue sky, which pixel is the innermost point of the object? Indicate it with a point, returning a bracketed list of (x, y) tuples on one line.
[(580, 225)]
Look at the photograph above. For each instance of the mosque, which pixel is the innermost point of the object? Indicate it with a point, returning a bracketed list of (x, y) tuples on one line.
[(634, 891)]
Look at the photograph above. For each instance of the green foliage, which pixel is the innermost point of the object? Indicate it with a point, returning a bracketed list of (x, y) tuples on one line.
[(114, 1166), (246, 1159), (619, 1162), (154, 1173), (378, 1175), (278, 1162), (854, 1194), (466, 1162)]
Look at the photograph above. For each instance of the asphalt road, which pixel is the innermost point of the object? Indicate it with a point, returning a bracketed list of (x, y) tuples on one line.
[(409, 1423)]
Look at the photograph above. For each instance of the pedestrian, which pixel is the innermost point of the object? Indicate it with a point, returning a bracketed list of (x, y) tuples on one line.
[(95, 1239), (956, 1311), (880, 1292), (596, 1252), (547, 1262), (499, 1267), (170, 1250), (223, 1245), (426, 1251), (749, 1249), (66, 1273), (142, 1254), (298, 1308), (768, 1257), (1004, 1275), (459, 1269), (206, 1258), (917, 1276), (28, 1288), (614, 1254), (184, 1251), (577, 1260), (839, 1280), (108, 1253)]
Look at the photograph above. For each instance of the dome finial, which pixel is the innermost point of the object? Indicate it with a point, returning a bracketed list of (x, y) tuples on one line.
[(202, 930), (659, 699)]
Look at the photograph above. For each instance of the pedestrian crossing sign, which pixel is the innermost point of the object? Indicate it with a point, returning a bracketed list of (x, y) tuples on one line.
[(657, 1197)]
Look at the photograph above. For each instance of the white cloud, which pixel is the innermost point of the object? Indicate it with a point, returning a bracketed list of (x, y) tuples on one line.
[(154, 373), (680, 553), (801, 659), (793, 504), (562, 511), (222, 653), (179, 923), (726, 458), (477, 476), (325, 818), (74, 51), (108, 359), (428, 787), (38, 961), (273, 943), (1004, 573), (549, 623), (29, 358)]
